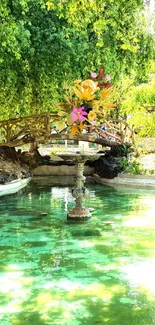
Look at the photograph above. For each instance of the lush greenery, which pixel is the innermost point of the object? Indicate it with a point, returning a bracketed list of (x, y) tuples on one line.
[(46, 45), (136, 103)]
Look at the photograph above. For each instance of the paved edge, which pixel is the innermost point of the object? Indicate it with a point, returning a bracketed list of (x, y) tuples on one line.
[(126, 181)]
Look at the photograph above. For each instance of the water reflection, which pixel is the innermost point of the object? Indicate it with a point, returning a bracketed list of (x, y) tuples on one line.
[(94, 273)]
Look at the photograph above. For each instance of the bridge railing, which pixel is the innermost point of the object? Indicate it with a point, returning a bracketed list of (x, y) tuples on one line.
[(31, 126), (16, 132)]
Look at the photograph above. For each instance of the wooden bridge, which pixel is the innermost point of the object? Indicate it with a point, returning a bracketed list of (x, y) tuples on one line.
[(39, 128)]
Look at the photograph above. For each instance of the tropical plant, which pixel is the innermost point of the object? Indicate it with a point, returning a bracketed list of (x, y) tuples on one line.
[(87, 104), (133, 167), (139, 106)]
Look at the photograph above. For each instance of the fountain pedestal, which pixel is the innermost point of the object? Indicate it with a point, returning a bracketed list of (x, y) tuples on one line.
[(79, 191)]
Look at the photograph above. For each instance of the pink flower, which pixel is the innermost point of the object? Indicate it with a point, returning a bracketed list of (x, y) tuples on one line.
[(107, 78), (78, 114), (93, 75)]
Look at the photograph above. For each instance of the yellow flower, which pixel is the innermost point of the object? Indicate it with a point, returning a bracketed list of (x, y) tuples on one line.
[(49, 4), (96, 109), (84, 94), (91, 116), (96, 105), (90, 84), (86, 90)]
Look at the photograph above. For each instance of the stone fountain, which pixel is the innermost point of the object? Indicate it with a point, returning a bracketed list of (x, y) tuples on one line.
[(79, 191)]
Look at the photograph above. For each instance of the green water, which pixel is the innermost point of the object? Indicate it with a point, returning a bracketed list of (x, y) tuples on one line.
[(93, 273)]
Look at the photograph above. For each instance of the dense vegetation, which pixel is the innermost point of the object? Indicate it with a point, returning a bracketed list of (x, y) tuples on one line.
[(139, 105), (46, 45)]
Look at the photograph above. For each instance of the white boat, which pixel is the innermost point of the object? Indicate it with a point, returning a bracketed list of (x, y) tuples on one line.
[(14, 186)]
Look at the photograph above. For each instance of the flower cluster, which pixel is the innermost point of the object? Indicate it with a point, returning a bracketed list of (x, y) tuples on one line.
[(88, 103)]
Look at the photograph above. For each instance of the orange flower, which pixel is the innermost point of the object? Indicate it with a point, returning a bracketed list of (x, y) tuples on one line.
[(81, 126), (74, 130), (108, 105), (105, 93)]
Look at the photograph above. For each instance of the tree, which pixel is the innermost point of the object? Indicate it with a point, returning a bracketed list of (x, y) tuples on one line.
[(45, 46)]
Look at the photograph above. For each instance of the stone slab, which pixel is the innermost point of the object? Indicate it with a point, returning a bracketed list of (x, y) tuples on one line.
[(127, 180)]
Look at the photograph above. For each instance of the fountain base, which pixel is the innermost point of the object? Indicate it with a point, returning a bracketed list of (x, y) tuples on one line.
[(79, 214)]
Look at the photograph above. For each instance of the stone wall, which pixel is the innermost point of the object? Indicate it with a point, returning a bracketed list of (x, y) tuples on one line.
[(60, 170)]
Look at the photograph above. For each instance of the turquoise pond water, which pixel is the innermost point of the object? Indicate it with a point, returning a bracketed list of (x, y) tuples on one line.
[(98, 272)]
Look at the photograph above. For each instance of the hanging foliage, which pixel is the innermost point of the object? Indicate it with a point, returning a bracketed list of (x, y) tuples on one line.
[(47, 45)]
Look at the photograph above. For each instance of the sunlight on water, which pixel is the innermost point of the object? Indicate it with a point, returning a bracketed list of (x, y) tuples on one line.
[(97, 272), (142, 274)]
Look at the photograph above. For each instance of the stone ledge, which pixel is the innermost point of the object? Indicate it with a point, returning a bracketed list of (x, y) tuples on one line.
[(127, 180), (128, 176)]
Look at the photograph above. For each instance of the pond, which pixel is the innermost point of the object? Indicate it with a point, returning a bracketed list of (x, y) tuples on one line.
[(95, 272)]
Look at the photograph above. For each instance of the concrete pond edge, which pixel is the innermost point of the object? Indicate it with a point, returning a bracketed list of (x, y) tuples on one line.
[(127, 180), (60, 175)]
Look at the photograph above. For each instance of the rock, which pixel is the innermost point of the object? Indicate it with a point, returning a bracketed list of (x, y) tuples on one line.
[(108, 167), (11, 167), (6, 177)]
